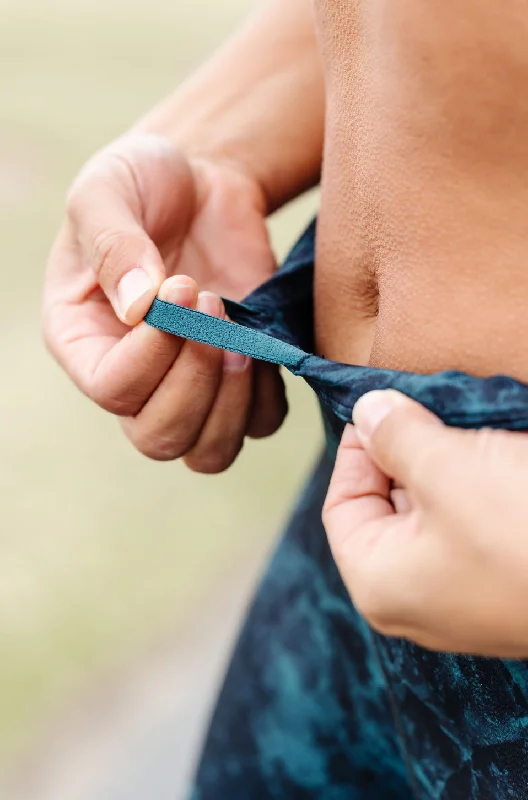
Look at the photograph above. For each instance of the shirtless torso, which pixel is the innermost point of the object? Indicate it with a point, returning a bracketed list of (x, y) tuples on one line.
[(422, 259)]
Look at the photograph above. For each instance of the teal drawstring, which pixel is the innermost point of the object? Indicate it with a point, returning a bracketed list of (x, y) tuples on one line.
[(199, 327)]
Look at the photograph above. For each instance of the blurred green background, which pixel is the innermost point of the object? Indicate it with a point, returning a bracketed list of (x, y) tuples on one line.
[(104, 554)]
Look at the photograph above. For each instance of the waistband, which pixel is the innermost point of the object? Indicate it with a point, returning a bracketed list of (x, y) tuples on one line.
[(276, 324)]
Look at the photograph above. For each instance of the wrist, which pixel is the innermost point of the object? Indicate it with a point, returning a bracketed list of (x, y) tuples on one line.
[(257, 106), (244, 189), (210, 149), (279, 169)]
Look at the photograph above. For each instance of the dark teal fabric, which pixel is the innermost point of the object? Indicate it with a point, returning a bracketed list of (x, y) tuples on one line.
[(220, 333), (304, 712), (315, 705)]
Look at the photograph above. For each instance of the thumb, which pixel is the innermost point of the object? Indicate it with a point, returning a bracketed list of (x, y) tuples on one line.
[(125, 261), (398, 433), (128, 196)]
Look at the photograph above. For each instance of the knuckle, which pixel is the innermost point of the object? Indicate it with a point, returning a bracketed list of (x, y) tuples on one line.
[(155, 446), (91, 173), (203, 365), (212, 462), (158, 348), (370, 603), (123, 406), (121, 403), (108, 250), (354, 476), (203, 373)]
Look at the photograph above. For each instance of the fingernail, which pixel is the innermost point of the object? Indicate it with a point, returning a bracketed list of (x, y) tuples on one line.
[(235, 362), (371, 409), (209, 303), (181, 294), (132, 287)]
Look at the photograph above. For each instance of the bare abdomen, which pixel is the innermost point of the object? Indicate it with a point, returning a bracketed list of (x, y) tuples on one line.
[(422, 260)]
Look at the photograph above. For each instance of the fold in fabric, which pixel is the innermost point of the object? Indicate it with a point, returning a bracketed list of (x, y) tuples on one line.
[(275, 324)]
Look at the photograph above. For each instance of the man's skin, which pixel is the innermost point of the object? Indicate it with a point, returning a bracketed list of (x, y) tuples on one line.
[(420, 260), (177, 207), (422, 232), (422, 247)]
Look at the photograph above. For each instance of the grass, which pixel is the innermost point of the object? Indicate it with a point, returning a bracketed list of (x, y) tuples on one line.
[(100, 550)]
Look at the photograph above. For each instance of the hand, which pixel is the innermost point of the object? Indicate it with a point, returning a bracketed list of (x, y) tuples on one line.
[(139, 213), (438, 554)]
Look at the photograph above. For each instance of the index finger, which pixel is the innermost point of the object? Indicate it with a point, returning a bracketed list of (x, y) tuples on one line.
[(359, 491), (117, 367), (386, 566)]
